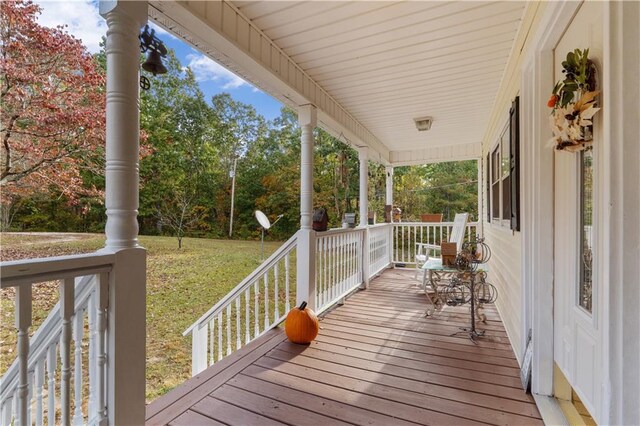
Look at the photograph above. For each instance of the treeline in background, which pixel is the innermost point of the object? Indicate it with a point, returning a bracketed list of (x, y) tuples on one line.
[(190, 147)]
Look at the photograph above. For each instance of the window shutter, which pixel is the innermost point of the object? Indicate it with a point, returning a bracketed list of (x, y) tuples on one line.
[(488, 204), (514, 140)]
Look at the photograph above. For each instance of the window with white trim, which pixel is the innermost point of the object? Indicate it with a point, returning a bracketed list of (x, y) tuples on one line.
[(500, 181)]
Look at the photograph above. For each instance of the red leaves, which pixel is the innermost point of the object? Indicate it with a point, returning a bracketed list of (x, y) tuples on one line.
[(54, 89)]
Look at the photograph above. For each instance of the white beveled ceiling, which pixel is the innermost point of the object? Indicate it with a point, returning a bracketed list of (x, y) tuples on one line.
[(388, 62)]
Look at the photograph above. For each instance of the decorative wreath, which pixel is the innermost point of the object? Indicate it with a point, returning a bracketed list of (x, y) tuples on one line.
[(573, 103)]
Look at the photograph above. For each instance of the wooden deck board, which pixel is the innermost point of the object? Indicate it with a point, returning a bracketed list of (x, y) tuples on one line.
[(376, 361)]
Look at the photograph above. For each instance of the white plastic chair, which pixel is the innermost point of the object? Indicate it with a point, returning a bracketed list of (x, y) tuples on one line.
[(456, 236)]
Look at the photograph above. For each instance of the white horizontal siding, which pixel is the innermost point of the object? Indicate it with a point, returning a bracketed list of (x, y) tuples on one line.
[(505, 266), (506, 245)]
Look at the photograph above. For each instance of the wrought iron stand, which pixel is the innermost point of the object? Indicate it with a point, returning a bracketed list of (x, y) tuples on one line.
[(467, 275), (471, 331)]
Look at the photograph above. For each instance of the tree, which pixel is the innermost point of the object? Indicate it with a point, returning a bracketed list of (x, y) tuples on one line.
[(180, 213), (446, 188), (178, 176), (238, 129), (53, 106)]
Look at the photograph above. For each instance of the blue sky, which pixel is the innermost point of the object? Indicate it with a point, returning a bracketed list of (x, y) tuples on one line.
[(82, 20)]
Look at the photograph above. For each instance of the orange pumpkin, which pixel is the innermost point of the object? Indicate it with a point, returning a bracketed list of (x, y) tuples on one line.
[(301, 324)]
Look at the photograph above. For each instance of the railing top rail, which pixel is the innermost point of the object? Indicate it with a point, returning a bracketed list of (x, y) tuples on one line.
[(430, 223), (337, 231), (18, 272), (380, 225), (260, 270)]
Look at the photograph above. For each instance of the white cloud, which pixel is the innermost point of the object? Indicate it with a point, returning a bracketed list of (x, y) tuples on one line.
[(81, 17), (206, 69)]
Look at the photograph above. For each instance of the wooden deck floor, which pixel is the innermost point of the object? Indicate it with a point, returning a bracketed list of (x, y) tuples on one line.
[(377, 360)]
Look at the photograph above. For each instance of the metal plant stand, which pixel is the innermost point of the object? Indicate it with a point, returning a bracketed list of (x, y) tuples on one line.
[(467, 284), (471, 331)]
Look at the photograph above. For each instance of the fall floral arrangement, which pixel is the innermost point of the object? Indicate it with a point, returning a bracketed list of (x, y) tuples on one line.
[(573, 103)]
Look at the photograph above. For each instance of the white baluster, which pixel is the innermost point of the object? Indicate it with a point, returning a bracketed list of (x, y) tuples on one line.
[(66, 311), (338, 266), (325, 271), (326, 285), (93, 333), (350, 276), (276, 297), (404, 253), (100, 352), (238, 342), (78, 332), (396, 243), (413, 246), (321, 286), (349, 282), (15, 406), (39, 382), (359, 242), (286, 284), (229, 329), (341, 257), (211, 341), (23, 322), (332, 267), (256, 308), (6, 412), (51, 392), (266, 300), (343, 263), (247, 300), (30, 398), (219, 336), (347, 259), (319, 271)]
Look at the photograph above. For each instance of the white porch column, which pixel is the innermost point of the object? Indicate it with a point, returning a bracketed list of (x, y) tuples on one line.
[(306, 266), (389, 202), (127, 280), (480, 220), (389, 194), (363, 156)]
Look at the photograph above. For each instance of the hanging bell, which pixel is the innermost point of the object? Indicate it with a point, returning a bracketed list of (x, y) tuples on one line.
[(154, 64)]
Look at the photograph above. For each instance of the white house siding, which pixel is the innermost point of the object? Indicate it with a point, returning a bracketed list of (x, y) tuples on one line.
[(505, 244)]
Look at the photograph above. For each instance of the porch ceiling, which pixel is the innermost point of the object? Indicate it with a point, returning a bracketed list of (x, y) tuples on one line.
[(386, 63)]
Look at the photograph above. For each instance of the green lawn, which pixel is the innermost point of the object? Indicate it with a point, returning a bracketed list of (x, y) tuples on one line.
[(181, 286)]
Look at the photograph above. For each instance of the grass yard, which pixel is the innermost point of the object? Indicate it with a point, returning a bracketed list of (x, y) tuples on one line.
[(181, 286)]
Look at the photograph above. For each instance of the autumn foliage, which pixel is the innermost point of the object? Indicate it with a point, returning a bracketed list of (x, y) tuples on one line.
[(53, 107)]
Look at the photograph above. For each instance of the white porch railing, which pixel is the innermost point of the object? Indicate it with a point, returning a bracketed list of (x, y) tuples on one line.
[(339, 257), (341, 266), (56, 350), (380, 244), (407, 234), (256, 305)]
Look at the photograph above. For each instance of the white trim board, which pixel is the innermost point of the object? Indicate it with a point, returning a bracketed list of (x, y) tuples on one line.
[(537, 195)]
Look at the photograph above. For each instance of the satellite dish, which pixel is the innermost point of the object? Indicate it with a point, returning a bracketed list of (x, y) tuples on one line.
[(263, 219)]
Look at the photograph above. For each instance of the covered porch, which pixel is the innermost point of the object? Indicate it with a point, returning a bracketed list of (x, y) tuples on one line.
[(364, 72), (377, 360)]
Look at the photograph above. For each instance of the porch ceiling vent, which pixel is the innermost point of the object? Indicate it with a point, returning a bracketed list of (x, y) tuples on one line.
[(423, 123)]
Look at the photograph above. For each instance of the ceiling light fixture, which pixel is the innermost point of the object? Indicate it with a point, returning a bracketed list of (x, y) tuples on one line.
[(423, 123)]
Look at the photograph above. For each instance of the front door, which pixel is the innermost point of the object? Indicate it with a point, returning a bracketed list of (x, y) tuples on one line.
[(577, 291)]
